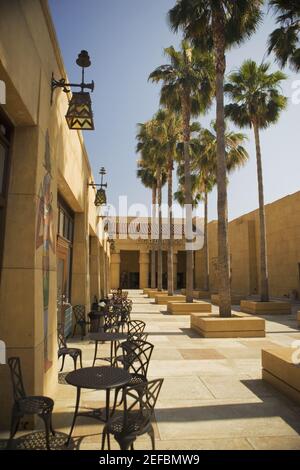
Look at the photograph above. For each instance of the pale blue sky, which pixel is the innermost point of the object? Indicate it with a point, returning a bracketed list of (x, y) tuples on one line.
[(125, 40)]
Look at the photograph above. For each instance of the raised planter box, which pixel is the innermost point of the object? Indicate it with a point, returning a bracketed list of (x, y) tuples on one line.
[(279, 369), (153, 293), (147, 289), (183, 308), (198, 294), (238, 326), (235, 299), (265, 308), (298, 318), (164, 299)]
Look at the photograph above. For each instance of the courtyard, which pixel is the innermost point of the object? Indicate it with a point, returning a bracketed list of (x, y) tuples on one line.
[(212, 398)]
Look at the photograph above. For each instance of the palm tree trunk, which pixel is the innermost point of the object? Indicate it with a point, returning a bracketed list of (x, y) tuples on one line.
[(205, 244), (223, 246), (159, 251), (171, 237), (153, 251), (186, 114), (264, 284)]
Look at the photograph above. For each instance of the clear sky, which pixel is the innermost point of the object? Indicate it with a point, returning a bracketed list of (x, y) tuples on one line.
[(125, 40)]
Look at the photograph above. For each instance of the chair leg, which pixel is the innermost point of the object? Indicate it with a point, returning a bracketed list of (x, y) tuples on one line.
[(46, 417), (51, 426), (108, 441), (75, 362), (103, 439), (152, 436), (63, 362), (80, 358), (82, 326), (15, 421)]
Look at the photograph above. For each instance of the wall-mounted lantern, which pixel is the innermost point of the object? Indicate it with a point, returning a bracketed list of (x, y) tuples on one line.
[(79, 115), (100, 198)]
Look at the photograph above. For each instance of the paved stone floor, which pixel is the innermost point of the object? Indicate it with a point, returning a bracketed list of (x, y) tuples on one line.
[(213, 396)]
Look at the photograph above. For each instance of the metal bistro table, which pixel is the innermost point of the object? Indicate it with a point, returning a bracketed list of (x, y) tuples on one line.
[(96, 378), (106, 337)]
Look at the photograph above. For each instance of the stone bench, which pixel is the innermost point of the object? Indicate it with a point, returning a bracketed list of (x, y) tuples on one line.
[(183, 308), (238, 326), (279, 369)]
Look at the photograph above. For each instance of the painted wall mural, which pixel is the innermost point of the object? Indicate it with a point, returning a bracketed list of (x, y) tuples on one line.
[(45, 238)]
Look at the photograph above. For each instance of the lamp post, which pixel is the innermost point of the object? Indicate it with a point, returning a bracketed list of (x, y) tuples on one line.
[(79, 115), (100, 198)]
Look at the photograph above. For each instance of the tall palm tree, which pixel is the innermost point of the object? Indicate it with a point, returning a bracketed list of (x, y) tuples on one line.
[(148, 178), (150, 149), (188, 88), (206, 159), (256, 103), (284, 41), (169, 132), (215, 26)]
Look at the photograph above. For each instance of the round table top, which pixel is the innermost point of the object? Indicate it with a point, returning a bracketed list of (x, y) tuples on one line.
[(98, 378), (107, 336)]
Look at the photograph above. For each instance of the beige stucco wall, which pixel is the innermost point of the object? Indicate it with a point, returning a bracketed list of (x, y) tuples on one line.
[(283, 248), (29, 54)]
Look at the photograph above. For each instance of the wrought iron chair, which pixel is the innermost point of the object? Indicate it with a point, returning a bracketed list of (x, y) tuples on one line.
[(28, 405), (135, 337), (135, 418), (136, 357), (64, 350), (136, 327), (80, 320), (111, 321)]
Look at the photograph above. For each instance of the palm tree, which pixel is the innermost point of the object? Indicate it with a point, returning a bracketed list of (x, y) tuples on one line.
[(215, 26), (206, 159), (256, 103), (169, 132), (285, 40), (148, 178), (150, 149), (187, 87)]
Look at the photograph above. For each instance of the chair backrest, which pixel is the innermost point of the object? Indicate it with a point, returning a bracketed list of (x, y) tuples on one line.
[(61, 340), (142, 397), (79, 312), (136, 326), (136, 356), (16, 378), (136, 337), (111, 322)]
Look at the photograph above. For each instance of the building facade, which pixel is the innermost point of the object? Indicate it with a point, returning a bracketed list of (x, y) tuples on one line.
[(283, 250), (51, 249)]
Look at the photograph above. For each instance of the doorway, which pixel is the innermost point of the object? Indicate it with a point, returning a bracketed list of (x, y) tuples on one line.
[(129, 269)]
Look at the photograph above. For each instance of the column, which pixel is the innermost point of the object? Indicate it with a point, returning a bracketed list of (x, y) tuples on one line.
[(144, 269), (94, 269), (80, 264), (175, 269), (115, 266), (102, 272)]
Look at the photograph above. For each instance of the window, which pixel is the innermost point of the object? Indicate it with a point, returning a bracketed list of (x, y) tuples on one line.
[(65, 231)]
